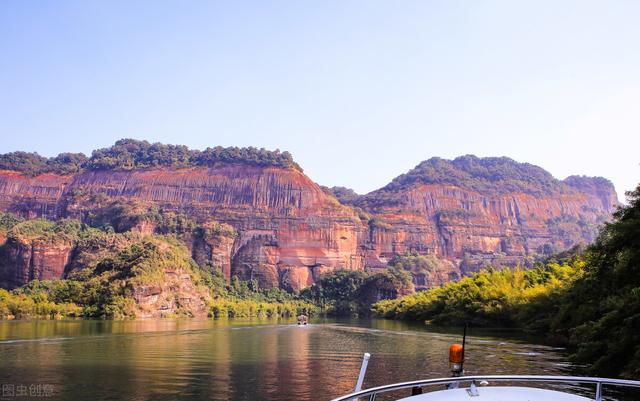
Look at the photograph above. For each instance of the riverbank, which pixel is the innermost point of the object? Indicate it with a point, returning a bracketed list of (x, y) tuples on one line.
[(35, 304)]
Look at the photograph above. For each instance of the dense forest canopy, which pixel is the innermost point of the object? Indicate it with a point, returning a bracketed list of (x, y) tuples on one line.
[(129, 154), (495, 174), (600, 313), (351, 292)]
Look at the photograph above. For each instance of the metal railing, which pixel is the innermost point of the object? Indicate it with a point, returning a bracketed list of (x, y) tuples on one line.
[(599, 382)]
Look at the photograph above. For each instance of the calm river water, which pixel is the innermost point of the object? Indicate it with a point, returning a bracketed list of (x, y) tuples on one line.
[(239, 359)]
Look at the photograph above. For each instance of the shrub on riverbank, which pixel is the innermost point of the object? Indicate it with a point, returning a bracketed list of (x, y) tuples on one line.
[(497, 298), (250, 308), (24, 306)]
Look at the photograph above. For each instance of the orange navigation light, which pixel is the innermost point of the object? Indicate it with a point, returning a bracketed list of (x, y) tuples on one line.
[(456, 358), (455, 353)]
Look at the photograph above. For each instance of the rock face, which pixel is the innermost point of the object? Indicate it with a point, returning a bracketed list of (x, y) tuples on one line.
[(469, 212), (175, 296), (288, 228), (24, 260), (475, 216), (472, 228)]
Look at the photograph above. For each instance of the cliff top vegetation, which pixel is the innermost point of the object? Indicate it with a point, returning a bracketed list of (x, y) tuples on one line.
[(485, 174), (131, 154)]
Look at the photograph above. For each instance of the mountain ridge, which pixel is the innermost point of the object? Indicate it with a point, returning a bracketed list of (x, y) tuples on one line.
[(466, 213)]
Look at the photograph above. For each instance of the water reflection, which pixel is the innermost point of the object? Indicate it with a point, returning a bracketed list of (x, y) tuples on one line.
[(243, 359)]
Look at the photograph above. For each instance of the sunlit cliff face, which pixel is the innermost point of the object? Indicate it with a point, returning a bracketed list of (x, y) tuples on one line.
[(289, 230)]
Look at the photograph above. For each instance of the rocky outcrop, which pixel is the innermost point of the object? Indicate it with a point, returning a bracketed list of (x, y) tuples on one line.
[(215, 250), (476, 221), (596, 187), (23, 260), (176, 295), (469, 212), (287, 226)]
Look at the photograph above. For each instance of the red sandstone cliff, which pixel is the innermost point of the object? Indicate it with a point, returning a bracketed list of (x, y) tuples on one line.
[(473, 228), (288, 230), (471, 212), (33, 259)]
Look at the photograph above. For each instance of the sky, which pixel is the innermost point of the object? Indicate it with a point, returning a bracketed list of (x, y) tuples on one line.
[(358, 91)]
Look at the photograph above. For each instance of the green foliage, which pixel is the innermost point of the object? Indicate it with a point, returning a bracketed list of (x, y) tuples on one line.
[(415, 262), (46, 230), (342, 285), (250, 155), (599, 316), (246, 299), (125, 214), (8, 221), (377, 223), (119, 215), (499, 174), (490, 174), (488, 298), (105, 289), (25, 162), (589, 184), (250, 290), (337, 292), (32, 228), (130, 154), (215, 230), (168, 222), (571, 229), (396, 277), (137, 259), (351, 292), (34, 164), (34, 301), (66, 163), (250, 308), (346, 196)]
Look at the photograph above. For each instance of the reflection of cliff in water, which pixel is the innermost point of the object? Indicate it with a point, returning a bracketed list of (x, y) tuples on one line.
[(239, 360)]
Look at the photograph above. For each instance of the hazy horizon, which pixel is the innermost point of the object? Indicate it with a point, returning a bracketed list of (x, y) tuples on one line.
[(359, 92)]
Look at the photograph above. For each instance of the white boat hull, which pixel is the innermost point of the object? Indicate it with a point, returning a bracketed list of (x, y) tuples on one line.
[(497, 394)]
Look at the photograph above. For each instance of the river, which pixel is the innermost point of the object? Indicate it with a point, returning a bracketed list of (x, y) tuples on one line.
[(241, 359)]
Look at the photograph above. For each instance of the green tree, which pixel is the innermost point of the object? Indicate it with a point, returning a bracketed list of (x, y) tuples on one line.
[(600, 314)]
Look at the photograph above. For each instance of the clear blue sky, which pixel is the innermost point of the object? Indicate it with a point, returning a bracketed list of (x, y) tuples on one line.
[(358, 91)]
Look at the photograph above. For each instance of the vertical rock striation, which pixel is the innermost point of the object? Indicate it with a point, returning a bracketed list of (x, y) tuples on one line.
[(469, 212)]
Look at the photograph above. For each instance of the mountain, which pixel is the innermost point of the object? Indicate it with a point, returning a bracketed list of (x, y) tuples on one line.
[(484, 211), (254, 213)]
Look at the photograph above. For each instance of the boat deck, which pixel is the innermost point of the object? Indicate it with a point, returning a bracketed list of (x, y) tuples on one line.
[(497, 394), (492, 392)]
